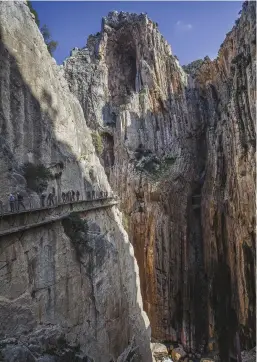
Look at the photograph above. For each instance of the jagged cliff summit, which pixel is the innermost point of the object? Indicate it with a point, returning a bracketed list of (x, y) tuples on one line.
[(176, 145)]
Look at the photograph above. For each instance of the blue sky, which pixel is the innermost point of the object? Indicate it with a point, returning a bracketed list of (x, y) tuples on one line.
[(192, 28)]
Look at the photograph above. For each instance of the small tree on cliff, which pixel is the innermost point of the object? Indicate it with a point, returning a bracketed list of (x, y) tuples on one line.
[(33, 11), (51, 44)]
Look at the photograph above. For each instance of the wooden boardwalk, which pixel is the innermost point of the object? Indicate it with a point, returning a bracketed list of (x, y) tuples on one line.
[(26, 219)]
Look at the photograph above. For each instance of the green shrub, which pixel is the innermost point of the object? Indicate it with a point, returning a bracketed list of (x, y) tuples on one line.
[(154, 167), (125, 222), (237, 22), (169, 160), (97, 142), (192, 68), (143, 91), (34, 12), (37, 176), (51, 44), (76, 229)]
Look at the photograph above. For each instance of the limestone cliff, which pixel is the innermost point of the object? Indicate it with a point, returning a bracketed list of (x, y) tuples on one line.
[(180, 151), (56, 305)]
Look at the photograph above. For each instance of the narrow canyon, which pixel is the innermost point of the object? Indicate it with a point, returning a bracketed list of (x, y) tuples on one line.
[(167, 258)]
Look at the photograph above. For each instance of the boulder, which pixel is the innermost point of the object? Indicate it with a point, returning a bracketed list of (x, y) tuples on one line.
[(177, 354), (159, 351)]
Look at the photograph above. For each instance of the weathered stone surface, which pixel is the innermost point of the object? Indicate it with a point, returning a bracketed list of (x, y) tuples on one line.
[(180, 151), (159, 351), (249, 356), (58, 305), (17, 354), (178, 354), (169, 137)]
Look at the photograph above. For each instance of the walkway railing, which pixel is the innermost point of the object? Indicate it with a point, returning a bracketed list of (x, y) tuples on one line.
[(16, 222), (37, 203)]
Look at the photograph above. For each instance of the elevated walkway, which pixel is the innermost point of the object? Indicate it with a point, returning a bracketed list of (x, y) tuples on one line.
[(21, 221)]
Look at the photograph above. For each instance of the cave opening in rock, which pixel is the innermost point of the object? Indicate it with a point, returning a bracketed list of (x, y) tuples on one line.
[(123, 69)]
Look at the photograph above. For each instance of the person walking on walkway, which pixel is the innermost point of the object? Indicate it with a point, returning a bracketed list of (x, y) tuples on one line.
[(42, 199), (77, 195), (30, 201), (93, 192), (54, 197), (72, 195), (12, 201), (50, 199), (20, 201), (63, 197)]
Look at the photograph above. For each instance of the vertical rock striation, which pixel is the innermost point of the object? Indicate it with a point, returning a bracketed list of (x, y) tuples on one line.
[(58, 302), (228, 205), (179, 149)]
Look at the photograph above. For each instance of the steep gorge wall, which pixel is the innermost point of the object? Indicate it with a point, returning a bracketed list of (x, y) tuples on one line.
[(53, 304), (149, 130), (176, 136), (228, 206)]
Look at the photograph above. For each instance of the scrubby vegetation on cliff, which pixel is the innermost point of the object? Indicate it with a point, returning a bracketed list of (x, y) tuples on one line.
[(50, 43), (97, 142), (155, 167), (76, 229), (193, 67), (37, 176)]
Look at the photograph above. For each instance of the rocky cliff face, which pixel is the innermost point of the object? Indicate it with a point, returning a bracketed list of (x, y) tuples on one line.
[(57, 304), (228, 205), (180, 151)]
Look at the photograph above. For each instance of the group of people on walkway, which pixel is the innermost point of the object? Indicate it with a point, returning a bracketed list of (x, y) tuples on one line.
[(70, 196), (16, 201), (92, 194), (50, 199)]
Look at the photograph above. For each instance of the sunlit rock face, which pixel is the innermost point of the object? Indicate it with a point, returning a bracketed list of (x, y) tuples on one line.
[(57, 304), (180, 151)]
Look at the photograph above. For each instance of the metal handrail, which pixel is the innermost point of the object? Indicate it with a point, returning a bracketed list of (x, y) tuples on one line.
[(35, 202)]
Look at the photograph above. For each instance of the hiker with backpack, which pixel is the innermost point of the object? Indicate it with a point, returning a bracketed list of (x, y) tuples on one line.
[(11, 201), (42, 199), (50, 199), (63, 197), (20, 201)]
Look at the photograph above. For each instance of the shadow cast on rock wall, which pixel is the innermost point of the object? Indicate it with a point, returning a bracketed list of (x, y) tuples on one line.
[(45, 258)]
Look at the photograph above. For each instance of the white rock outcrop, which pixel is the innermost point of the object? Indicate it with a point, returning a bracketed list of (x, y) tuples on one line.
[(56, 305)]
